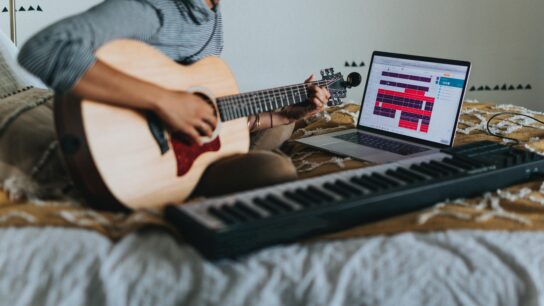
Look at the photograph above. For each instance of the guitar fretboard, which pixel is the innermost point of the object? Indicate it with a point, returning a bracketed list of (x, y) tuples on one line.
[(251, 103)]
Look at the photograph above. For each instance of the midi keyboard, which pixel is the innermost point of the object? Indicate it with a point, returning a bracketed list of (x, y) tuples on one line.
[(234, 225)]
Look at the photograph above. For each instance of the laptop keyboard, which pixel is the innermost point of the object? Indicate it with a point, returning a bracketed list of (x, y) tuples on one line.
[(382, 143)]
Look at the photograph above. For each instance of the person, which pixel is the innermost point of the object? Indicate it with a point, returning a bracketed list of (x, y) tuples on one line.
[(62, 55)]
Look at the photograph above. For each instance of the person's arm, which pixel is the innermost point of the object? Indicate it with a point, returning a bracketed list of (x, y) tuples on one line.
[(181, 111), (62, 55), (64, 51)]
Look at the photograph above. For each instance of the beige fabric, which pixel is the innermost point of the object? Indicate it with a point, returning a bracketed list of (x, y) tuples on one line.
[(516, 208), (30, 161)]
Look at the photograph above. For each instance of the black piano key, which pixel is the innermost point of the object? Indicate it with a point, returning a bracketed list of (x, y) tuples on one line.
[(315, 199), (412, 174), (400, 176), (353, 190), (442, 171), (247, 210), (225, 218), (361, 181), (320, 193), (385, 179), (239, 216), (303, 201), (337, 189), (272, 209), (452, 170), (473, 163), (376, 182), (272, 199), (425, 171), (458, 163)]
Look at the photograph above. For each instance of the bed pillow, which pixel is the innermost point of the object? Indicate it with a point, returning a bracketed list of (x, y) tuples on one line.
[(30, 160), (12, 76)]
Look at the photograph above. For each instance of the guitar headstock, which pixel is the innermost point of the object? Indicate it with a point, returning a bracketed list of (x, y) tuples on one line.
[(337, 86)]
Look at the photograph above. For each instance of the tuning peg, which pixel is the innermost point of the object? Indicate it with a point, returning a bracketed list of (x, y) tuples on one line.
[(322, 73)]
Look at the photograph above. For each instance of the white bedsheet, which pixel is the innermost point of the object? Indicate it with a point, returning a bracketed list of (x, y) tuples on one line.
[(75, 267)]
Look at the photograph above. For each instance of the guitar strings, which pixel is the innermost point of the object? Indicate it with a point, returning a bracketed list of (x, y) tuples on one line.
[(235, 105)]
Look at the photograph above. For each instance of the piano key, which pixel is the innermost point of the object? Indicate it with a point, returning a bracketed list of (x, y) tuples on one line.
[(412, 174), (234, 213), (320, 193), (475, 164), (310, 196), (452, 170), (338, 190), (376, 182), (362, 181), (273, 210), (303, 201), (458, 163), (279, 203), (400, 176), (353, 190), (385, 179), (442, 171), (425, 171), (247, 210), (225, 218)]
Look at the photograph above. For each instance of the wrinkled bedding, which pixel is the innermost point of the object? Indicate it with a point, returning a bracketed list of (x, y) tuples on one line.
[(52, 266)]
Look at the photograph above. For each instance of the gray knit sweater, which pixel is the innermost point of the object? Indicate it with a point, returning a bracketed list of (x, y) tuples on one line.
[(185, 30)]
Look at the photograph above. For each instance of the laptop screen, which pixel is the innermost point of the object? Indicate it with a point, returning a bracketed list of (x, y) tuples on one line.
[(416, 98)]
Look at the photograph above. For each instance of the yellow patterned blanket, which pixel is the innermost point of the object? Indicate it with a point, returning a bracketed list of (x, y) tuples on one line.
[(515, 208)]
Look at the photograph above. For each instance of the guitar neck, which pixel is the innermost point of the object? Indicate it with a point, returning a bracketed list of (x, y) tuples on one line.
[(252, 103)]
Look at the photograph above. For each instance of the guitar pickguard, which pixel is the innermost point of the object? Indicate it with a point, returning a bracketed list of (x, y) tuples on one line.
[(187, 151)]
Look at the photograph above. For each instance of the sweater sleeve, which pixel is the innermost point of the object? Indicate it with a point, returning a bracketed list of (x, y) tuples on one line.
[(62, 53)]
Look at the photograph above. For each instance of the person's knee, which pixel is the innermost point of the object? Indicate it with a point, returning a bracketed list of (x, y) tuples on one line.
[(274, 167)]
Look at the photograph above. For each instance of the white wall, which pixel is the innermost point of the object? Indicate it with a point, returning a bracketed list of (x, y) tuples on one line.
[(279, 42), (274, 42), (30, 22)]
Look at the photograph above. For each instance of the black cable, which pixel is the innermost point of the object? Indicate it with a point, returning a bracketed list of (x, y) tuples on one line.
[(517, 141)]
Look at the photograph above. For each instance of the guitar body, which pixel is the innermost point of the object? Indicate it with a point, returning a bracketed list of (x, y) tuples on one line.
[(110, 151)]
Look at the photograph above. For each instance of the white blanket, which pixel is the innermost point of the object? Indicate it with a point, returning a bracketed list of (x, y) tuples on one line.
[(74, 267)]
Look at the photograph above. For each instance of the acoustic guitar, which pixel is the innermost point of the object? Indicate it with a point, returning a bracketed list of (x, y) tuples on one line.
[(122, 158)]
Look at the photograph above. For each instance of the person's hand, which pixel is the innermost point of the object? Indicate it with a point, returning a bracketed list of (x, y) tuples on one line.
[(187, 113), (317, 101)]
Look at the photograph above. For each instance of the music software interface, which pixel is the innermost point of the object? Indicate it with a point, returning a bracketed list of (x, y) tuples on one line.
[(413, 98)]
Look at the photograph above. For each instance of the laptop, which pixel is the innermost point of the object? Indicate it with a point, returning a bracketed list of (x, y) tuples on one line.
[(410, 108)]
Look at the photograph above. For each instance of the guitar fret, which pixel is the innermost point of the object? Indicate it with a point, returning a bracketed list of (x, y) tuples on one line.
[(246, 109), (255, 102), (244, 105), (237, 108)]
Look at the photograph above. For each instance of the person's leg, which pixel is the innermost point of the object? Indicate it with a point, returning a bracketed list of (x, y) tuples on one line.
[(271, 139), (244, 172)]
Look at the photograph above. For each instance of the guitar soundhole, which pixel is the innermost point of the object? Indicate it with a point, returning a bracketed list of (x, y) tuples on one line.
[(208, 100), (187, 151)]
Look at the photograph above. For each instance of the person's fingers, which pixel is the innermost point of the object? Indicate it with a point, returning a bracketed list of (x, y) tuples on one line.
[(211, 120), (192, 133), (310, 79), (204, 128), (317, 104), (321, 95)]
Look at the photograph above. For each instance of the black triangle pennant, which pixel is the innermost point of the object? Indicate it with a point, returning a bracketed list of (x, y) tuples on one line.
[(31, 8), (39, 9), (22, 9), (5, 10)]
